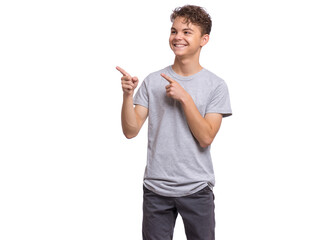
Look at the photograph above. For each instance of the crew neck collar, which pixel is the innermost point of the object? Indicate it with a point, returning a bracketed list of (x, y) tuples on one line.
[(183, 78)]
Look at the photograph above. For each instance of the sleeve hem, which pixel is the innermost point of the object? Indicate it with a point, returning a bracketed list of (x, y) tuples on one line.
[(142, 104), (223, 113)]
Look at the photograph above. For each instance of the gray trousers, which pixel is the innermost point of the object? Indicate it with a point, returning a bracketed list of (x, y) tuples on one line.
[(196, 210)]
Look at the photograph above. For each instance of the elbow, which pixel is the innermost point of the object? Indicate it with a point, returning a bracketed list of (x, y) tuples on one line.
[(130, 135), (130, 132), (206, 142)]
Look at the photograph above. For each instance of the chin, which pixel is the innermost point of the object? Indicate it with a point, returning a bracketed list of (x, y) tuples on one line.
[(178, 52)]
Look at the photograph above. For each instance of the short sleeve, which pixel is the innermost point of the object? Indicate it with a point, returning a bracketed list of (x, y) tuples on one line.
[(219, 101), (141, 97)]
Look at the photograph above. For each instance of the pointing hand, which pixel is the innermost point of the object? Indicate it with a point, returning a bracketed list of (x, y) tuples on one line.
[(174, 89), (128, 83)]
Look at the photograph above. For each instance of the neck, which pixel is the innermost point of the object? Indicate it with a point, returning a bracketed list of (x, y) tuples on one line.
[(186, 67)]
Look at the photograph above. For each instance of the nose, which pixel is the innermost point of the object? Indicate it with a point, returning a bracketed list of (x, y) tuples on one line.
[(178, 36)]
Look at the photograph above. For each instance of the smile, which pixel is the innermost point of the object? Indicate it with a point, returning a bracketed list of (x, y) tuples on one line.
[(179, 45)]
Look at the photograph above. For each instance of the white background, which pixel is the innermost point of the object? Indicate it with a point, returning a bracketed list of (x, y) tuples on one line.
[(67, 171)]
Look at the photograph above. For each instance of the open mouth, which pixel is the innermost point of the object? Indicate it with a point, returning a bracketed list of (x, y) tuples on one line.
[(179, 45)]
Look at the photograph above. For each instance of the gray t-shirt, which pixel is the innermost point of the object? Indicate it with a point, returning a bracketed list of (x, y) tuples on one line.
[(176, 164)]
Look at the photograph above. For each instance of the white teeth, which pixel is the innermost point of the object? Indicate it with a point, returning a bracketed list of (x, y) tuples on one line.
[(179, 45)]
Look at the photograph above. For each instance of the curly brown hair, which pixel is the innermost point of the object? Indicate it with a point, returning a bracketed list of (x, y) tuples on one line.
[(194, 14)]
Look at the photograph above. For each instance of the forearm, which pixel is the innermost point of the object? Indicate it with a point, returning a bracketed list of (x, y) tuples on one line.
[(199, 127), (129, 121)]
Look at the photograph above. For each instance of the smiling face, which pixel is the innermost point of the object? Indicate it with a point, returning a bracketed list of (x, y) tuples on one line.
[(186, 39)]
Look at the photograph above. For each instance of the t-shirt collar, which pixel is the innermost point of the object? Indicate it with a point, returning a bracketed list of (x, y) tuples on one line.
[(183, 78)]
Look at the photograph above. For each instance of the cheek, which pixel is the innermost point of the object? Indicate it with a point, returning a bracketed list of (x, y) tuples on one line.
[(196, 42), (171, 38), (171, 41)]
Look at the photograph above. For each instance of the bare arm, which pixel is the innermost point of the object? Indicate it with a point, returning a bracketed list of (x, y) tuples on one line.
[(204, 128), (132, 118)]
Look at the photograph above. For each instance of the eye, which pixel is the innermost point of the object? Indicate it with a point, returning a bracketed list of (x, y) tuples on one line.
[(173, 32), (187, 32)]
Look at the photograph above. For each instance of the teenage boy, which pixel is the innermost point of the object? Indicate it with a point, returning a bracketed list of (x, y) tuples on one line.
[(185, 104)]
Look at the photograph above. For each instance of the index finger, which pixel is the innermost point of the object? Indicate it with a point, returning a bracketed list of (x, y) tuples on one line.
[(123, 72), (169, 79)]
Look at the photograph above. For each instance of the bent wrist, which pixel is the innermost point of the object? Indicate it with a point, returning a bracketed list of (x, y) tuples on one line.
[(186, 99)]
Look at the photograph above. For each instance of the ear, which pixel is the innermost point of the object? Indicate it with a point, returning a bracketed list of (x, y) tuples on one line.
[(204, 39)]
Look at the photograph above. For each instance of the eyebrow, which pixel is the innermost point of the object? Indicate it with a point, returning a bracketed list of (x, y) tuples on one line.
[(185, 29)]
